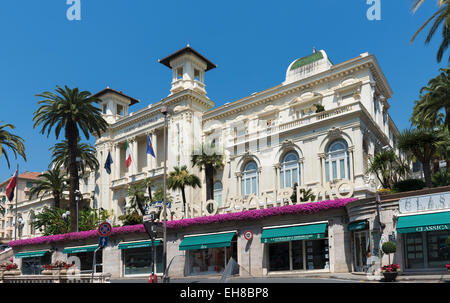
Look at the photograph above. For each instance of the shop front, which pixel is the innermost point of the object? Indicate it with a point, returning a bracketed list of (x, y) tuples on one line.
[(86, 256), (137, 257), (32, 262), (209, 253), (361, 244), (297, 247), (424, 238)]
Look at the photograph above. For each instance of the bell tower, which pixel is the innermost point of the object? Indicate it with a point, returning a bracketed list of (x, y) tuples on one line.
[(188, 70)]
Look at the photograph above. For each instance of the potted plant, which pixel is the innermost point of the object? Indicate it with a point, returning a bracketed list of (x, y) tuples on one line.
[(390, 271)]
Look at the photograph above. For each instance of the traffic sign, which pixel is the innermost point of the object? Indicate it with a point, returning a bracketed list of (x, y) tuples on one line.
[(248, 235), (104, 229), (103, 241)]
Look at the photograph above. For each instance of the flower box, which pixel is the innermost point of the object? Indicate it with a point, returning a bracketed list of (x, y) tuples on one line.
[(390, 276)]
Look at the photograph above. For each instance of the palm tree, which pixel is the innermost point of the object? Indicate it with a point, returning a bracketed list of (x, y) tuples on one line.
[(179, 178), (13, 142), (441, 17), (70, 110), (422, 143), (211, 163), (148, 183), (85, 151), (138, 200), (52, 181), (388, 167), (437, 97)]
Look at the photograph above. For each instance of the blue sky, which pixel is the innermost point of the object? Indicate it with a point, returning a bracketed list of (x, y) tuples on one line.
[(118, 43)]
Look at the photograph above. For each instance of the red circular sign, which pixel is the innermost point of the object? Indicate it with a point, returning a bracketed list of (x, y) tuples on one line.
[(105, 229), (248, 235)]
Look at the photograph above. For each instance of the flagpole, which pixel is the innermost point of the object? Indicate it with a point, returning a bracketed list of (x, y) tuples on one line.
[(17, 192)]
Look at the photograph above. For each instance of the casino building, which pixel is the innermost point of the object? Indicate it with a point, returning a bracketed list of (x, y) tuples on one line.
[(318, 129)]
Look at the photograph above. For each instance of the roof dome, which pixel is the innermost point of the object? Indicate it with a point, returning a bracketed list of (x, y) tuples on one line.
[(307, 66)]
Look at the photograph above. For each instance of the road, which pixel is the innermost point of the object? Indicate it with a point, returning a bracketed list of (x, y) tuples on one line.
[(244, 280)]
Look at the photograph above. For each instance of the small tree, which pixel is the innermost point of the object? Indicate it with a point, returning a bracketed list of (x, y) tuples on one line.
[(389, 248)]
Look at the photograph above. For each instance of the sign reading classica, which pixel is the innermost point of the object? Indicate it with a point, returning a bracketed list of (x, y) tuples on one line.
[(424, 203), (433, 228)]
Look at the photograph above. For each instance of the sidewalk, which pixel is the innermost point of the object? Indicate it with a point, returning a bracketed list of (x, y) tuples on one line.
[(362, 277)]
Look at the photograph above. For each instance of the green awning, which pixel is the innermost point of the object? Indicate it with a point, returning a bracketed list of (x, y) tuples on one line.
[(425, 222), (128, 245), (207, 241), (80, 249), (31, 254), (292, 233), (357, 225)]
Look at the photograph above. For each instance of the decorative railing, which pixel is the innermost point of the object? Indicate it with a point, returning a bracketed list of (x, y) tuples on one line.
[(119, 182), (284, 127)]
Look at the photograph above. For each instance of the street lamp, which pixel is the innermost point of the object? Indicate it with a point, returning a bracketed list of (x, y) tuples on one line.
[(77, 202), (165, 112)]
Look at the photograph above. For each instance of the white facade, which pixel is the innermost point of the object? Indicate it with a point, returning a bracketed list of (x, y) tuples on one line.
[(256, 132)]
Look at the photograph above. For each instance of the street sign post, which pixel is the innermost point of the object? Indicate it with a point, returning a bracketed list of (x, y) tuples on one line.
[(248, 235), (104, 229)]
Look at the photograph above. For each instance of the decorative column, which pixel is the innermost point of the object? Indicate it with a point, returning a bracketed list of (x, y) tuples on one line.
[(276, 182), (238, 187), (134, 155), (352, 164), (117, 161), (302, 171), (322, 158), (154, 139)]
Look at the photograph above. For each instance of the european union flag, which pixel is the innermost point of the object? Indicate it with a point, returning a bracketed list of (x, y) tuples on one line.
[(108, 163), (150, 147)]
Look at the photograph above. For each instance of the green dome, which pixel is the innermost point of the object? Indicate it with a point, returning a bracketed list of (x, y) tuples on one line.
[(307, 60)]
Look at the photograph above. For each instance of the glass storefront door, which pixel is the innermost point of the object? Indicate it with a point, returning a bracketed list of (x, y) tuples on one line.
[(211, 260), (139, 260), (361, 250), (33, 266), (86, 260), (298, 255)]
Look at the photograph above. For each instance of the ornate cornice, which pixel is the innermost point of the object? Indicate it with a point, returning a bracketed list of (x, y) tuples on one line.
[(283, 90)]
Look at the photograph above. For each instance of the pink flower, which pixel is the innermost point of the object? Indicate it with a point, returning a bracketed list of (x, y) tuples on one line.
[(246, 215)]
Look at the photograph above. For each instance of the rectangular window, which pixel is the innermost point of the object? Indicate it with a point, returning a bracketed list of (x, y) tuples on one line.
[(334, 164), (120, 110), (196, 74), (299, 255), (180, 73), (86, 259), (104, 107), (342, 168), (138, 260)]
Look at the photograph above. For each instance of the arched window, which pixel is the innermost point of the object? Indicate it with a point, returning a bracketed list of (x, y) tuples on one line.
[(249, 183), (290, 170), (337, 164), (217, 193)]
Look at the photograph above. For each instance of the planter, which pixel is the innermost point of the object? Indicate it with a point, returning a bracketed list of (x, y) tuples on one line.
[(11, 273), (54, 272), (390, 276)]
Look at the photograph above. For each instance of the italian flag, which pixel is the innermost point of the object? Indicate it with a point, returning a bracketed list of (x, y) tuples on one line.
[(128, 155)]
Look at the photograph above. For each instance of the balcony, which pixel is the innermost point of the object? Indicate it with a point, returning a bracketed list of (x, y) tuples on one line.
[(297, 123), (119, 183)]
